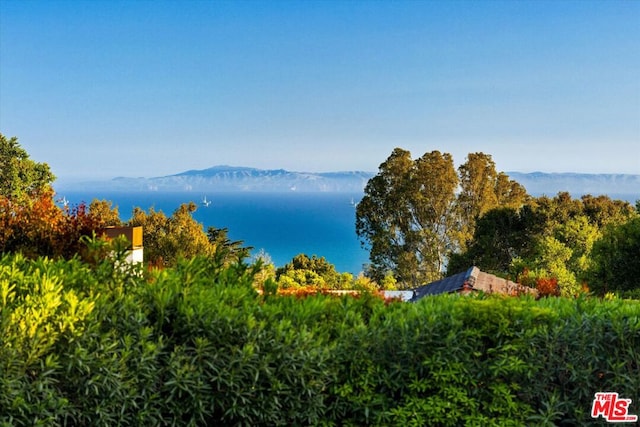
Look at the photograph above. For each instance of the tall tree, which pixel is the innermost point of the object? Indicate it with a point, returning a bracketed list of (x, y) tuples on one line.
[(602, 210), (405, 216), (482, 188)]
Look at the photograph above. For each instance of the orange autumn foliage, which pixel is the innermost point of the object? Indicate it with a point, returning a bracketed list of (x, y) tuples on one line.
[(547, 286), (36, 226)]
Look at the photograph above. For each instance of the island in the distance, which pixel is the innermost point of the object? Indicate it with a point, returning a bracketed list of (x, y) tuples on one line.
[(236, 179)]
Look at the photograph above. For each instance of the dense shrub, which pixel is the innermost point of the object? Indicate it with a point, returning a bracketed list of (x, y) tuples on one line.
[(107, 345)]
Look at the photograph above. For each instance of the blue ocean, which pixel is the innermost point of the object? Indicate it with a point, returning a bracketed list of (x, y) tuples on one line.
[(280, 224)]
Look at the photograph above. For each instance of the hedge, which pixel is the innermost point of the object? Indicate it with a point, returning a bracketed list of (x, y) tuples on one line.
[(106, 345)]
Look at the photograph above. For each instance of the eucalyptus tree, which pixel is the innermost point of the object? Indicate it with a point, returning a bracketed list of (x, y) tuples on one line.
[(406, 217), (483, 188)]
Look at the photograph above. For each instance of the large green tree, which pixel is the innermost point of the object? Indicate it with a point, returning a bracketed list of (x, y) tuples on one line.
[(406, 217), (417, 214), (500, 235), (483, 188), (19, 175), (616, 259)]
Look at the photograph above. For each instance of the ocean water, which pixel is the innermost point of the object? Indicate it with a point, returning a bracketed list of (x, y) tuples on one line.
[(280, 224)]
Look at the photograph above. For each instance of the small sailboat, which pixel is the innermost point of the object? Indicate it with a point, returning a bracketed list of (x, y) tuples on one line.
[(63, 201), (206, 202)]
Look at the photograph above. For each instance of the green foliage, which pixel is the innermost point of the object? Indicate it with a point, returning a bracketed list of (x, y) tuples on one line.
[(316, 271), (500, 235), (19, 175), (405, 216), (224, 248), (414, 222), (38, 313), (555, 237), (106, 344), (616, 259), (170, 239), (482, 189)]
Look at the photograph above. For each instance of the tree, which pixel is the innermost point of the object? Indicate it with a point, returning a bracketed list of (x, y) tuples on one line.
[(616, 259), (225, 248), (168, 239), (602, 210), (482, 188), (30, 225), (550, 239), (19, 175), (406, 217), (180, 236), (104, 214), (312, 271), (28, 215), (553, 259), (36, 226), (500, 236)]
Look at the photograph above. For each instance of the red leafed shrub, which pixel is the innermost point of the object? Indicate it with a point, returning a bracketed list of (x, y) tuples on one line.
[(36, 226), (547, 286)]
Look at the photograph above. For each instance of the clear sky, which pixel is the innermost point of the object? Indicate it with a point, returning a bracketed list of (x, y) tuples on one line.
[(150, 88)]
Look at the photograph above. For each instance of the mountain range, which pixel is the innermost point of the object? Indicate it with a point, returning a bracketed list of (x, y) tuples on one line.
[(231, 178)]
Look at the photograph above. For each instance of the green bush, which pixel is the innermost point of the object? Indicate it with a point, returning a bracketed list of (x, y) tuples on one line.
[(105, 345)]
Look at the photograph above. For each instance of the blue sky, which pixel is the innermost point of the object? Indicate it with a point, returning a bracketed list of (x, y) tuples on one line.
[(141, 88)]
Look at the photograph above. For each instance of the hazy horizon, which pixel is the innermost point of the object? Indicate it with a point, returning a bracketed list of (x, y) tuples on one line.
[(106, 178), (121, 88)]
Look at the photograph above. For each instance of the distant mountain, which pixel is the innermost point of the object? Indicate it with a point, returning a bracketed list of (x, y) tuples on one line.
[(617, 186), (231, 178)]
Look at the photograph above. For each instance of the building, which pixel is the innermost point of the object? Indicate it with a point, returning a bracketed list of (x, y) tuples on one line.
[(472, 280), (133, 235)]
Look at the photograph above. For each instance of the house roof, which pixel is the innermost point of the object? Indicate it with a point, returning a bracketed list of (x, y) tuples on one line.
[(471, 280), (443, 286)]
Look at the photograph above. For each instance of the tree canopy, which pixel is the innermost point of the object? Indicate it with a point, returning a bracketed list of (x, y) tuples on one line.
[(550, 238), (405, 216), (616, 258), (416, 213), (19, 175), (180, 236)]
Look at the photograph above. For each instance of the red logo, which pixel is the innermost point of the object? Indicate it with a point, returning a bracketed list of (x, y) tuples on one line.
[(612, 408)]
